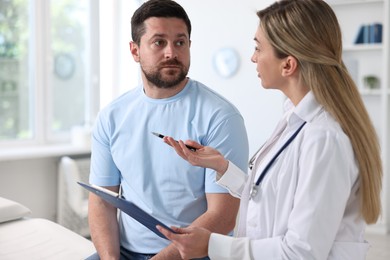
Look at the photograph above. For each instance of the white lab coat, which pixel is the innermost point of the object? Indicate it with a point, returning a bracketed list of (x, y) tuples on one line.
[(308, 205)]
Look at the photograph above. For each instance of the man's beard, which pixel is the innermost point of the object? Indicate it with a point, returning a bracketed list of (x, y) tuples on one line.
[(156, 77)]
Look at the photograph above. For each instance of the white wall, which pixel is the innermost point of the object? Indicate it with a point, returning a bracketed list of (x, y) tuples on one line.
[(232, 23), (31, 182)]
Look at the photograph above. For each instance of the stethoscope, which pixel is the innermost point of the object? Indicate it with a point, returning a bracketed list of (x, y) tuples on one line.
[(255, 185)]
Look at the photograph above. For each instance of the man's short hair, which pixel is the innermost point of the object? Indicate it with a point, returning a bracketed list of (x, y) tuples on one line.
[(156, 8)]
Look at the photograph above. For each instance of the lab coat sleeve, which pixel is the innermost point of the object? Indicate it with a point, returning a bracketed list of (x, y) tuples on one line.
[(223, 247), (233, 180), (327, 171)]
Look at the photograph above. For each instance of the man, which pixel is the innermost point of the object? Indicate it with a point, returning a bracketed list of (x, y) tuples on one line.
[(151, 175)]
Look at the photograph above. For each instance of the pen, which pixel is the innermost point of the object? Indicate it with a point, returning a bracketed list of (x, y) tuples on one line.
[(162, 136), (112, 193)]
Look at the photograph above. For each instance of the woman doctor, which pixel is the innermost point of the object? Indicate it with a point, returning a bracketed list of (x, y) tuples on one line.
[(316, 182)]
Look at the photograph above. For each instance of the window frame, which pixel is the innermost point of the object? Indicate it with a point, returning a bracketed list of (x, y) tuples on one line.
[(40, 63)]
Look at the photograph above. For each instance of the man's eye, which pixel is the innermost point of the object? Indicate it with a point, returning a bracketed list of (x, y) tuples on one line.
[(180, 43), (159, 43)]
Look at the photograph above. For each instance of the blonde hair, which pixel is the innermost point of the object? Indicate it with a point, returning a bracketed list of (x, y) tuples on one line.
[(309, 31)]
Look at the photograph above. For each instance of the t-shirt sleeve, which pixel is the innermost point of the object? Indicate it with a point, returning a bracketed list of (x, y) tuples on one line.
[(230, 138), (103, 169)]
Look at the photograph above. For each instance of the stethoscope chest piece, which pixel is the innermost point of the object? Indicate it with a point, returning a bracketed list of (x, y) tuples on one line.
[(254, 191)]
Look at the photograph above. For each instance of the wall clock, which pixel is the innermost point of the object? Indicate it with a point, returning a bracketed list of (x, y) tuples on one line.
[(226, 62), (64, 66)]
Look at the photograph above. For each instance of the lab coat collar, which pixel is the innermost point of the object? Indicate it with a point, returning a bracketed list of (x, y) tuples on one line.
[(306, 110)]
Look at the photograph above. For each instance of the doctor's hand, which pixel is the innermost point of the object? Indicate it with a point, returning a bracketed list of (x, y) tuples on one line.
[(204, 156), (191, 242)]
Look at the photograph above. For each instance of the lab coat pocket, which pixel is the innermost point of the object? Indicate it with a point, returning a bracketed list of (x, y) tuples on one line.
[(349, 251)]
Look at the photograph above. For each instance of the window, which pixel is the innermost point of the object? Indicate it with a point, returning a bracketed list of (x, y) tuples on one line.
[(48, 68), (119, 72), (14, 90)]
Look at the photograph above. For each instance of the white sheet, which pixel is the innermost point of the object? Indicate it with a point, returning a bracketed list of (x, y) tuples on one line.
[(35, 238)]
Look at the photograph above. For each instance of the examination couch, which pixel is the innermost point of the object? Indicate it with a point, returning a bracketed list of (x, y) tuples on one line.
[(23, 237)]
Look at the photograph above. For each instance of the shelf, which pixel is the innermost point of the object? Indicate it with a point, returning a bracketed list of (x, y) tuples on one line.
[(364, 47), (349, 2), (372, 92)]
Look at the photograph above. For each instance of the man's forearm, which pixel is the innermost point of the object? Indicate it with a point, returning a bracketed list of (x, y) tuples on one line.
[(168, 253), (104, 228), (215, 222)]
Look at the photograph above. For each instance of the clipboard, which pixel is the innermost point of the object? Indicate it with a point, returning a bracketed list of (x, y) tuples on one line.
[(127, 207)]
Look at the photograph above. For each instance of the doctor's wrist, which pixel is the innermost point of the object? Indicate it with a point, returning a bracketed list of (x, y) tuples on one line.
[(223, 166)]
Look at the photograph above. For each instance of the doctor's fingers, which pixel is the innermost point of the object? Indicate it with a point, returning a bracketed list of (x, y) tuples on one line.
[(184, 152), (178, 239), (175, 145), (181, 149), (193, 157)]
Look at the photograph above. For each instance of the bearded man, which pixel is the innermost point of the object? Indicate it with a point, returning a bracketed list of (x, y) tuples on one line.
[(126, 156)]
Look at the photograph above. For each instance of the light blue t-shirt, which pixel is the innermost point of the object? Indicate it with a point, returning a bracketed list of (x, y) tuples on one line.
[(152, 175)]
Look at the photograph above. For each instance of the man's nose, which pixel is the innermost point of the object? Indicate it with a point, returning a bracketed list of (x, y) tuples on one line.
[(170, 51)]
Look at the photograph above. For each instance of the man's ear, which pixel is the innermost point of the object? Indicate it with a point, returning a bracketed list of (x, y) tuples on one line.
[(289, 66), (134, 49)]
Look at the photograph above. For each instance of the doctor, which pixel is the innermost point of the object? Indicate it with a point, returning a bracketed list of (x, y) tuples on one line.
[(316, 182)]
